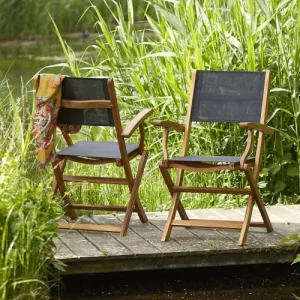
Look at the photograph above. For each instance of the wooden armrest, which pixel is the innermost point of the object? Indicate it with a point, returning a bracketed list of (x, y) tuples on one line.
[(169, 124), (257, 126), (136, 121)]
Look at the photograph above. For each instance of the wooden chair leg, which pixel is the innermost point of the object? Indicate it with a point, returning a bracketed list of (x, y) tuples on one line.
[(62, 189), (62, 165), (180, 208), (170, 185), (257, 198), (171, 217), (134, 199), (246, 222)]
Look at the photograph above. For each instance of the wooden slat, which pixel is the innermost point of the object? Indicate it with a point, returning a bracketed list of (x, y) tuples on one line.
[(214, 223), (138, 245), (252, 241), (186, 238), (92, 227), (211, 190), (284, 214), (84, 104), (79, 245), (70, 178), (150, 233), (100, 207), (106, 244), (61, 251)]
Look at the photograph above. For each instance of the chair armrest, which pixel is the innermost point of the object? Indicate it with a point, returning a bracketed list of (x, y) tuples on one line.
[(136, 122), (169, 124), (252, 126), (257, 126)]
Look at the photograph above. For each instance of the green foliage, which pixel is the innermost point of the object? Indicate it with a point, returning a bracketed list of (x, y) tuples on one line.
[(296, 239), (21, 19), (152, 66), (27, 214)]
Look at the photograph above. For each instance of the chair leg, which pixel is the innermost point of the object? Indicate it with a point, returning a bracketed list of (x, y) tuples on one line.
[(63, 191), (62, 165), (168, 226), (170, 185), (134, 199), (180, 208), (260, 204), (246, 222)]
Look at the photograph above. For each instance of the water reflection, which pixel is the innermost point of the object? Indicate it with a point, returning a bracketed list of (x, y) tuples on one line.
[(230, 283), (20, 60)]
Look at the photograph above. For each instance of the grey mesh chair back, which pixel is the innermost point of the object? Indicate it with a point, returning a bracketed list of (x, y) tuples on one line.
[(220, 96), (228, 96), (84, 89), (93, 102)]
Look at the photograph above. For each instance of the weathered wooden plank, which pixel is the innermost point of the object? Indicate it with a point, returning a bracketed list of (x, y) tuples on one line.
[(206, 214), (231, 214), (89, 252), (251, 242), (269, 239), (209, 259), (217, 240), (295, 209), (133, 242), (80, 246), (285, 230), (61, 251), (152, 235), (285, 214), (198, 239), (182, 239), (104, 242), (186, 238)]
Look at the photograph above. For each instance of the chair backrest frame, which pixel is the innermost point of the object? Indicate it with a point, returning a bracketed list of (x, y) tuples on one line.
[(111, 105), (263, 118)]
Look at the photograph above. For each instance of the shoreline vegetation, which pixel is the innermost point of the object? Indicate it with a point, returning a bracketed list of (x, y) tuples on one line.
[(152, 67)]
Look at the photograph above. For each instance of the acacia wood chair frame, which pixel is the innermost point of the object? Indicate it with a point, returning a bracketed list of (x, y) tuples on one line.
[(134, 203), (251, 171)]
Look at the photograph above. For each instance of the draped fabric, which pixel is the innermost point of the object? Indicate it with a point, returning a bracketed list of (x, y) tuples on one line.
[(48, 102)]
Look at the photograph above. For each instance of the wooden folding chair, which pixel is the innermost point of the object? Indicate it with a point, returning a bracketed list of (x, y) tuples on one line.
[(93, 102), (220, 96)]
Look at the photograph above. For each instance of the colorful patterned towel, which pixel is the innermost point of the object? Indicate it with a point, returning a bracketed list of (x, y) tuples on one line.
[(48, 101)]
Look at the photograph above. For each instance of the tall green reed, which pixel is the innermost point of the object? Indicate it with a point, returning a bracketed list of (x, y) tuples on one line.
[(152, 67), (27, 214), (23, 19), (285, 24)]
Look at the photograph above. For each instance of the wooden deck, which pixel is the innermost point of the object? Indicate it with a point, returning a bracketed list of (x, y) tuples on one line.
[(94, 252)]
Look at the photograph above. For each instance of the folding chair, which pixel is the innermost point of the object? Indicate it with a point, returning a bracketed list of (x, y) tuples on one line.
[(220, 96), (93, 102)]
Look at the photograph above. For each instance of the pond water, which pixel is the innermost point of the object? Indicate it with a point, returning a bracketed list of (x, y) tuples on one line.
[(264, 282), (21, 60)]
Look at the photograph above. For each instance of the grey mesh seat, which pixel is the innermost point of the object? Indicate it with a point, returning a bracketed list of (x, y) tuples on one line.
[(220, 96), (93, 102), (98, 149)]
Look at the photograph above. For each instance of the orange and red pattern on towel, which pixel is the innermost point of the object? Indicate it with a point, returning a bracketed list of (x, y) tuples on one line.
[(48, 102)]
